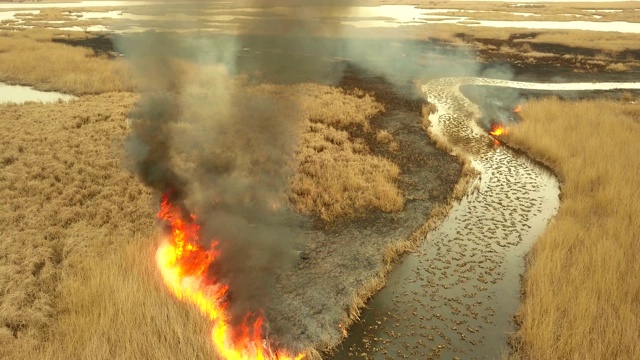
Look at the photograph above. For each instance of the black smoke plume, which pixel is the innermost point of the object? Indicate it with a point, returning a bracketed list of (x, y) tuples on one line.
[(222, 149)]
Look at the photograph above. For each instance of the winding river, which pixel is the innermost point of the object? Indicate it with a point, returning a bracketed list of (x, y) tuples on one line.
[(456, 296)]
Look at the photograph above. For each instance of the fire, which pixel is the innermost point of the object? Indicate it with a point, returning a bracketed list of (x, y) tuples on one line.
[(344, 331), (517, 109), (183, 262), (497, 130)]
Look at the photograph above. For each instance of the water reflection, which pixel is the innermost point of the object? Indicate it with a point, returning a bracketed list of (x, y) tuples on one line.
[(21, 94), (383, 16), (79, 4)]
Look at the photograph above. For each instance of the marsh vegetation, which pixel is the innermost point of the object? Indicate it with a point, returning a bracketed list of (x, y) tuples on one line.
[(77, 278), (580, 283)]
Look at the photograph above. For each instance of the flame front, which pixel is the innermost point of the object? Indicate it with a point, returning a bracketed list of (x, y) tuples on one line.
[(183, 262), (497, 130)]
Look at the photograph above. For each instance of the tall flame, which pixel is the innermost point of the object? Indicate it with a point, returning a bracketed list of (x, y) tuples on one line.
[(183, 262)]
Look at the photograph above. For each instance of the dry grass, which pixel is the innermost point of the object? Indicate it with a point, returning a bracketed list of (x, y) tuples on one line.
[(608, 45), (546, 10), (336, 174), (66, 209), (121, 310), (616, 67), (329, 105), (51, 14), (611, 42), (631, 106), (337, 177), (386, 137), (582, 285), (28, 57), (80, 282), (518, 45)]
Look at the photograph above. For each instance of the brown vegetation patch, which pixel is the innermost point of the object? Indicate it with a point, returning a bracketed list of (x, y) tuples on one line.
[(29, 57), (92, 273), (575, 49), (64, 197), (582, 281), (329, 105), (336, 175)]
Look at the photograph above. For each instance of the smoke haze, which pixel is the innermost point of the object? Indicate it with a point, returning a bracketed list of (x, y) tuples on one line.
[(222, 150), (225, 150)]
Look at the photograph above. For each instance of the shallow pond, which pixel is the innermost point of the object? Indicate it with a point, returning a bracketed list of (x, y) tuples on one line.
[(21, 94)]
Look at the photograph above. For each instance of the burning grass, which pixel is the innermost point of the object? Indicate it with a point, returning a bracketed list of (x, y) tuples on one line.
[(80, 226), (582, 285), (113, 305), (183, 263)]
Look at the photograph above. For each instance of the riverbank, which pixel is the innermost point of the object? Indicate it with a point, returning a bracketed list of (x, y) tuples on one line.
[(455, 296), (72, 281), (580, 290)]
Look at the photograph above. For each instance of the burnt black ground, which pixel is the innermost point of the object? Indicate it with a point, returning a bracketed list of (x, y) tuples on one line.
[(102, 45), (552, 69), (313, 299)]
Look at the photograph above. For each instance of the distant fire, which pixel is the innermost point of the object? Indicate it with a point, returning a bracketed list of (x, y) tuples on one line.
[(183, 262), (517, 109), (497, 130)]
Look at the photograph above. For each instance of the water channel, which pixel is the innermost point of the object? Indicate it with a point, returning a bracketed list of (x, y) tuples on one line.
[(456, 296)]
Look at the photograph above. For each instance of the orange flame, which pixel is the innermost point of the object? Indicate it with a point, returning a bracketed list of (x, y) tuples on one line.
[(517, 109), (344, 331), (183, 263), (497, 130)]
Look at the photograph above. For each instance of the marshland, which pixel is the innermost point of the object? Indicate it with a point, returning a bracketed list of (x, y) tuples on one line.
[(330, 164)]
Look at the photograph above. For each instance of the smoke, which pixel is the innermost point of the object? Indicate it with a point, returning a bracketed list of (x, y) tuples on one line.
[(496, 103), (224, 149), (404, 62)]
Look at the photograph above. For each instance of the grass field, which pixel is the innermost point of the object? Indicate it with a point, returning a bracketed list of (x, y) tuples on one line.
[(28, 57), (337, 176), (609, 51), (582, 285), (80, 229)]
